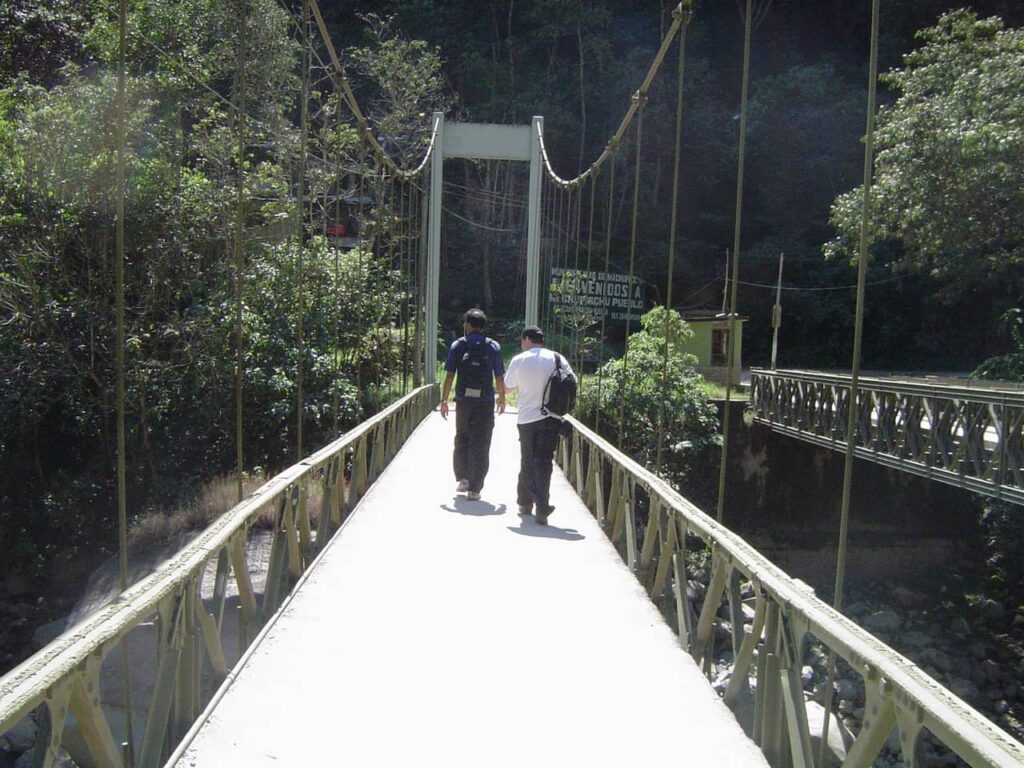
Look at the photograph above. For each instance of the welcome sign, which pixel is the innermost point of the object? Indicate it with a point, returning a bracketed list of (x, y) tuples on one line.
[(606, 295)]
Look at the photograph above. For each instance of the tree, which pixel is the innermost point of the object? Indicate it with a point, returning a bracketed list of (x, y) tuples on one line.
[(403, 86), (690, 421), (950, 161), (1008, 367)]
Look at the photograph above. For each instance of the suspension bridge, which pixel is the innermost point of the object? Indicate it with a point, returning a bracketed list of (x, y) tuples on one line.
[(392, 620)]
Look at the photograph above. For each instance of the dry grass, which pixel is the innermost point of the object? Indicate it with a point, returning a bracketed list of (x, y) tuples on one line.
[(158, 529)]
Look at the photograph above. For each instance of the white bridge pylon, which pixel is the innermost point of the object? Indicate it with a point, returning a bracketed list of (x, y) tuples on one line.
[(481, 141)]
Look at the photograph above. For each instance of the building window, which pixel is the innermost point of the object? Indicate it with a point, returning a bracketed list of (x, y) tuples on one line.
[(719, 347)]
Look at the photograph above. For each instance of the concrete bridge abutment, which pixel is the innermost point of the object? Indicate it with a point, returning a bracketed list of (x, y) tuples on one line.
[(784, 497)]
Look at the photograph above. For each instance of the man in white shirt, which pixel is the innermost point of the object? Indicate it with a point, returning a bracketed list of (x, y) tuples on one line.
[(529, 372)]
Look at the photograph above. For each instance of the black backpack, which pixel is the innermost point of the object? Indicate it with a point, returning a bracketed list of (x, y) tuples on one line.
[(560, 391), (474, 369)]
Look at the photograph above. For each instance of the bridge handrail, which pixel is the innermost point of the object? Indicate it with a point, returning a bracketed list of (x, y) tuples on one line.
[(967, 434), (912, 692), (1003, 392), (34, 680)]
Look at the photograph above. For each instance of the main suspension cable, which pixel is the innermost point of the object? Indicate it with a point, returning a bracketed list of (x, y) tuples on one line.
[(679, 14), (342, 83)]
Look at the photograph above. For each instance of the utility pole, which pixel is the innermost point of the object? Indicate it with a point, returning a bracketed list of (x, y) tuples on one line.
[(725, 283), (777, 313)]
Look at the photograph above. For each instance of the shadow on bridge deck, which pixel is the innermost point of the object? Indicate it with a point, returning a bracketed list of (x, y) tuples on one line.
[(437, 628)]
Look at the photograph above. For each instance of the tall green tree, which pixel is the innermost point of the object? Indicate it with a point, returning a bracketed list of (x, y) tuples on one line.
[(950, 161)]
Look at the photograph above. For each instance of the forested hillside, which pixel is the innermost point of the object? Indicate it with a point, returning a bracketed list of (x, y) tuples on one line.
[(948, 226), (950, 153)]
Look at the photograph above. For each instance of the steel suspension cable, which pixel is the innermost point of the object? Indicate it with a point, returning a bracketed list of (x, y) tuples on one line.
[(300, 231), (858, 336), (575, 315), (239, 245), (636, 102), (672, 241), (858, 328), (590, 252), (604, 313), (731, 338), (335, 293), (420, 350), (119, 245), (342, 83), (547, 221), (629, 279), (566, 230), (359, 264), (404, 257)]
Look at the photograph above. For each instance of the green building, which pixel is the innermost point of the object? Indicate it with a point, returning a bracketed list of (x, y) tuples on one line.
[(709, 343)]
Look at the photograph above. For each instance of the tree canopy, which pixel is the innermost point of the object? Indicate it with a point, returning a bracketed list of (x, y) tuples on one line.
[(950, 161)]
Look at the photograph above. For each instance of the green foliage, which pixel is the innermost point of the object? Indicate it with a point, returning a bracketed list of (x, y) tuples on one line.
[(404, 86), (1008, 367), (949, 166), (57, 204), (654, 392), (1003, 549), (38, 39)]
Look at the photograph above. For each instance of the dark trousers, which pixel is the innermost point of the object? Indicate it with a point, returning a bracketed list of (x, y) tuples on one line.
[(474, 423), (537, 443)]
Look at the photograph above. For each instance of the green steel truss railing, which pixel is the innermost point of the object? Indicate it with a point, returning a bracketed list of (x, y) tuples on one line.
[(65, 676), (651, 525), (968, 434)]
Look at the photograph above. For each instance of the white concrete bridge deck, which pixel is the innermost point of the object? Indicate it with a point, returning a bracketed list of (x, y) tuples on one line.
[(440, 631)]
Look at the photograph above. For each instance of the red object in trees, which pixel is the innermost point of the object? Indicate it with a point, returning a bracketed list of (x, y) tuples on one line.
[(337, 229)]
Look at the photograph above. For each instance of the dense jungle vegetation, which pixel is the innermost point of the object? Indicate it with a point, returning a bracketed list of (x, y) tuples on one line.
[(948, 217)]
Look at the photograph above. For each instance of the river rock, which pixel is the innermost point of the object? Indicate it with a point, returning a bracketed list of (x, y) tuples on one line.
[(74, 741), (806, 675), (939, 659), (17, 585), (61, 760), (23, 735), (839, 737), (846, 689), (993, 611), (883, 620), (965, 689), (47, 633), (907, 597)]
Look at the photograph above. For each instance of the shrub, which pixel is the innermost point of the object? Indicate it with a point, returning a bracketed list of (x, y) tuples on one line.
[(649, 388)]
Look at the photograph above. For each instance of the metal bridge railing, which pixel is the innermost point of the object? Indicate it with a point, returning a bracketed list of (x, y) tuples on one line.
[(652, 525), (65, 675), (964, 434)]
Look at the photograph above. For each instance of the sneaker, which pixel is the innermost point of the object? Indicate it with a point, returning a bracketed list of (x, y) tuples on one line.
[(462, 487), (542, 517), (473, 496), (525, 509)]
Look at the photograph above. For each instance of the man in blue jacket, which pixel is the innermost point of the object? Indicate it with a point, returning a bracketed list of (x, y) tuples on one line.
[(477, 361)]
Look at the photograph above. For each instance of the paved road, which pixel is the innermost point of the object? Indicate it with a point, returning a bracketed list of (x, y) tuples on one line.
[(440, 631)]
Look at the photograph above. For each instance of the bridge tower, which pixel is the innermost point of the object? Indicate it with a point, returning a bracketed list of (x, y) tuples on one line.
[(481, 141)]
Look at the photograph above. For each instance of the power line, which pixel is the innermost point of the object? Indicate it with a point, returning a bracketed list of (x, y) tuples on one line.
[(832, 288)]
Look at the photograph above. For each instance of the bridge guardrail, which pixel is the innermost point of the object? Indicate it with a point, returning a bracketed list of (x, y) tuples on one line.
[(968, 436), (64, 676), (768, 646)]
